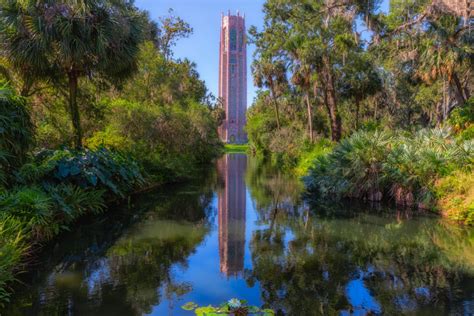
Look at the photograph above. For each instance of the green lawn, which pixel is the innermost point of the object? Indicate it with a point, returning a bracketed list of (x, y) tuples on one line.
[(234, 148)]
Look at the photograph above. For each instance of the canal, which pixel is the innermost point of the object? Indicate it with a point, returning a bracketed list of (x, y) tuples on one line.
[(244, 231)]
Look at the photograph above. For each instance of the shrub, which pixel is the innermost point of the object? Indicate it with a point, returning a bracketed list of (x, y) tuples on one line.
[(16, 131), (311, 153), (12, 248), (34, 208), (101, 169), (455, 195), (71, 201), (353, 169), (404, 167), (169, 141)]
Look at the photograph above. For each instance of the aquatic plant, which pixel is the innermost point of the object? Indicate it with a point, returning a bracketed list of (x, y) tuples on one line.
[(233, 307)]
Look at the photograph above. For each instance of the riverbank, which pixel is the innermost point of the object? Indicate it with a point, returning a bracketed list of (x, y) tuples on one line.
[(429, 169), (34, 215), (159, 250), (44, 191)]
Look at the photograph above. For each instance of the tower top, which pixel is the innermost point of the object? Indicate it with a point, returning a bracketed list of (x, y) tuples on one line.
[(229, 14)]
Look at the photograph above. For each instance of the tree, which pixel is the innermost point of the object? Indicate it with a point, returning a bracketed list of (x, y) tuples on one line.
[(316, 38), (172, 28), (359, 81), (272, 75), (69, 40)]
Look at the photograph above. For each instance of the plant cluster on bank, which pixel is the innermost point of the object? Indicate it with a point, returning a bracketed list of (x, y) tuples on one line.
[(413, 169)]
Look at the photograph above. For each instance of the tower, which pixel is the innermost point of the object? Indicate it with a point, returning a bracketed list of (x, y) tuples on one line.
[(233, 78)]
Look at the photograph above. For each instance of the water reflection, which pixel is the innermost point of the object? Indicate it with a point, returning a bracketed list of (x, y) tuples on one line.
[(231, 212), (246, 232)]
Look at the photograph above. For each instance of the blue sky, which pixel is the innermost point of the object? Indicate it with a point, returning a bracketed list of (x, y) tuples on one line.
[(203, 46)]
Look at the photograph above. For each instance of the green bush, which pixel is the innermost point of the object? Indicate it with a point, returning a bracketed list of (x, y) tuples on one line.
[(310, 154), (400, 166), (34, 208), (455, 195), (16, 132), (101, 169), (353, 168), (12, 248), (169, 141)]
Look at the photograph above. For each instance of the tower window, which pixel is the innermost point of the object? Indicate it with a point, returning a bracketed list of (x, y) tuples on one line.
[(233, 39)]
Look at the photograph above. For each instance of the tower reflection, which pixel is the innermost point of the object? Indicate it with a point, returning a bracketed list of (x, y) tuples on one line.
[(231, 208)]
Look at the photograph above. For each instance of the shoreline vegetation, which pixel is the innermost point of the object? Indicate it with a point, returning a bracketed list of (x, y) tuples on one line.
[(388, 117), (87, 118), (94, 106)]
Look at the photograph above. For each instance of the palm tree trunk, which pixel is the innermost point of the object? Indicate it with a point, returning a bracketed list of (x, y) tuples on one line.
[(357, 105), (275, 106), (458, 90), (331, 103), (74, 110), (310, 117)]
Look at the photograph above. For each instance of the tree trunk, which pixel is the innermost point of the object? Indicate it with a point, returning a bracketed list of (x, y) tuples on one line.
[(310, 117), (458, 90), (331, 103), (26, 87), (74, 110), (275, 105), (357, 105)]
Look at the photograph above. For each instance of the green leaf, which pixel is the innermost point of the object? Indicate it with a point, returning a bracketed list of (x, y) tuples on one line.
[(189, 306)]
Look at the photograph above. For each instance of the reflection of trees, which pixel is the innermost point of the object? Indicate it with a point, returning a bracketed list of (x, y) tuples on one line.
[(141, 261), (305, 260), (112, 269)]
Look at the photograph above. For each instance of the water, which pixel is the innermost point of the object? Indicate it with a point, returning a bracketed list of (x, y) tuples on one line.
[(243, 231)]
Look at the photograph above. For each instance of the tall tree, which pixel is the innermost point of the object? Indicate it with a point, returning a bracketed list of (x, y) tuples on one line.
[(271, 75), (68, 40)]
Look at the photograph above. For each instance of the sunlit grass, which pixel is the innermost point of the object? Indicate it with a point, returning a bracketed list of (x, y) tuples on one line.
[(235, 148)]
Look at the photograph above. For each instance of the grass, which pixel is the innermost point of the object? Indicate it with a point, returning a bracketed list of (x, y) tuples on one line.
[(235, 148)]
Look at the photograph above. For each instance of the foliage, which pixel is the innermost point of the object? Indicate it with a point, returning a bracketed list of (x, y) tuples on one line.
[(404, 167), (70, 40), (320, 77), (16, 132), (13, 247), (169, 141), (108, 69), (100, 169), (234, 307), (310, 154), (462, 120), (455, 195)]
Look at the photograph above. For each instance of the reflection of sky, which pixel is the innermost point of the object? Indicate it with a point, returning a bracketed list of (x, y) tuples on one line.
[(209, 285), (360, 298)]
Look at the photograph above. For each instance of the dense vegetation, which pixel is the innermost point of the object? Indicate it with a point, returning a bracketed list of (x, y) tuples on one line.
[(93, 107), (377, 104)]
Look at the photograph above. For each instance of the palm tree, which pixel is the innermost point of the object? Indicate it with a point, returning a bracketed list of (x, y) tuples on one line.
[(444, 51), (271, 75), (68, 40)]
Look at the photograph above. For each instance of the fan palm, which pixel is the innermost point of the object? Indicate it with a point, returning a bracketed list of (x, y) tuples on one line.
[(272, 75), (72, 39)]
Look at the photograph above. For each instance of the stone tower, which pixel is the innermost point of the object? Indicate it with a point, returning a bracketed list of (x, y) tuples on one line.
[(233, 78)]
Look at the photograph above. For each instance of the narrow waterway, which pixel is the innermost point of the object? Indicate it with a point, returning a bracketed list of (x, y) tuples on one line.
[(244, 231)]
